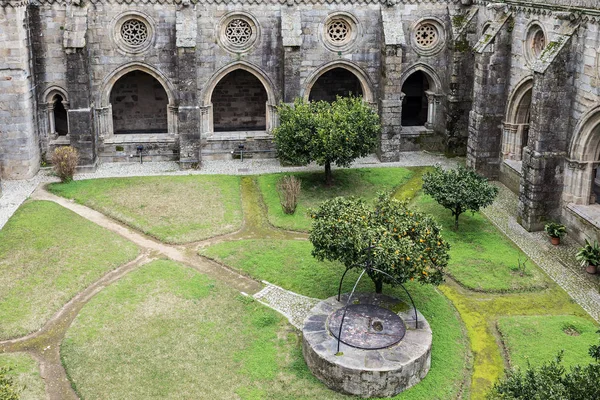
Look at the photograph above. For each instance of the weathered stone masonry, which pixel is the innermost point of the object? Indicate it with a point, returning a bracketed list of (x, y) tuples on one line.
[(512, 84)]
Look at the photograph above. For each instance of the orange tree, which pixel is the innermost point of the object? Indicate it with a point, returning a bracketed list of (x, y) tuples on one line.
[(403, 243), (326, 133)]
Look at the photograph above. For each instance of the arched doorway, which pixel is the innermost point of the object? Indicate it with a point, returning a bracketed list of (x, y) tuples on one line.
[(239, 103), (59, 121), (582, 175), (335, 82), (415, 104), (139, 104), (516, 127)]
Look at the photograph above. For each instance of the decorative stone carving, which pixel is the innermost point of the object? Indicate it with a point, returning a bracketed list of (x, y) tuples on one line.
[(239, 32), (340, 31), (428, 37), (133, 32)]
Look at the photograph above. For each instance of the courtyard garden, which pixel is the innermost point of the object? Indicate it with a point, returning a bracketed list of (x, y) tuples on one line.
[(164, 330)]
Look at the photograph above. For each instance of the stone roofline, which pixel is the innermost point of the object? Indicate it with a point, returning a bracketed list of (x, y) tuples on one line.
[(588, 7)]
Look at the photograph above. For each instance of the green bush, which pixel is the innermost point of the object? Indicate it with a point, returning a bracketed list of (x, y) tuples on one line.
[(65, 160), (8, 389), (551, 381)]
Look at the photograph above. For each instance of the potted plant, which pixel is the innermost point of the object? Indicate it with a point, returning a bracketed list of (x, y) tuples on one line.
[(589, 256), (555, 231)]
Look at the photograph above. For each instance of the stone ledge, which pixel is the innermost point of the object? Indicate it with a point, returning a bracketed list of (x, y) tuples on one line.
[(141, 138)]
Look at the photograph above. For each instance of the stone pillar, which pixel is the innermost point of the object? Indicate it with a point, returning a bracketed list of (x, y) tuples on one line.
[(19, 143), (80, 116), (543, 157), (390, 105), (489, 99), (185, 118), (291, 36)]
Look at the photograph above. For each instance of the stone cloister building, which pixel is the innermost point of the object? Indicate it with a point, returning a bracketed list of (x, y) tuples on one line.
[(513, 84)]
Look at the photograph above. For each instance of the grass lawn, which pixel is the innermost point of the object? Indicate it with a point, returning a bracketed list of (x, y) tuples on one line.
[(537, 339), (47, 255), (481, 257), (365, 183), (173, 209), (25, 373), (165, 331), (290, 265)]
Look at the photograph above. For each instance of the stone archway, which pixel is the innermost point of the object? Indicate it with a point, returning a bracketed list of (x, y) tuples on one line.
[(515, 132), (139, 104), (245, 83), (348, 83), (239, 103), (582, 180), (154, 83), (420, 97), (333, 83)]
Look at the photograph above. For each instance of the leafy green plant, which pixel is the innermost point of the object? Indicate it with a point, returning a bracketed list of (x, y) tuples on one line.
[(589, 254), (555, 230), (459, 190), (551, 381), (8, 388), (392, 238), (326, 133)]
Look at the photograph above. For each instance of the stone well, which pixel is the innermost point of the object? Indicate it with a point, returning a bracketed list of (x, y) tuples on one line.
[(383, 370)]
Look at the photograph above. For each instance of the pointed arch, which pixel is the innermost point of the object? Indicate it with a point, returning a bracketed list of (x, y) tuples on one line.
[(365, 82), (435, 84), (581, 175), (243, 65), (208, 126), (109, 82), (104, 112), (515, 129), (519, 104)]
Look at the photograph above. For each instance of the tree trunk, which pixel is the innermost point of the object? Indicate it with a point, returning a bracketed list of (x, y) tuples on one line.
[(328, 177), (378, 286), (456, 221)]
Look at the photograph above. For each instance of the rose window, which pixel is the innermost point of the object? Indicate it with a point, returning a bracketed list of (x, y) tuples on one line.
[(134, 32), (426, 35), (338, 31), (238, 32)]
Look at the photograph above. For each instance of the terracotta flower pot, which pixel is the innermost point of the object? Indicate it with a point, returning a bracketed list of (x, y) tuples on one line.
[(555, 240), (591, 269)]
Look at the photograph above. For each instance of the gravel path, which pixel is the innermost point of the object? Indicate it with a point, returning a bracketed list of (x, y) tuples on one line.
[(14, 193), (557, 261)]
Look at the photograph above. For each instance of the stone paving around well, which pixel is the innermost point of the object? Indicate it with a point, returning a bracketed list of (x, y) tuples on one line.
[(293, 306), (557, 261)]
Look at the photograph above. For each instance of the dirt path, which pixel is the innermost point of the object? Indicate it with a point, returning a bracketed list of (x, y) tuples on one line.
[(44, 345)]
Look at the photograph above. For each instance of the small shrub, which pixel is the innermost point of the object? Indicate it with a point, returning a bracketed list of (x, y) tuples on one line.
[(554, 229), (288, 188), (8, 389), (65, 160)]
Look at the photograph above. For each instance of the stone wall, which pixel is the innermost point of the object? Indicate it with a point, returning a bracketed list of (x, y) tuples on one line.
[(139, 104), (19, 150), (239, 103)]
